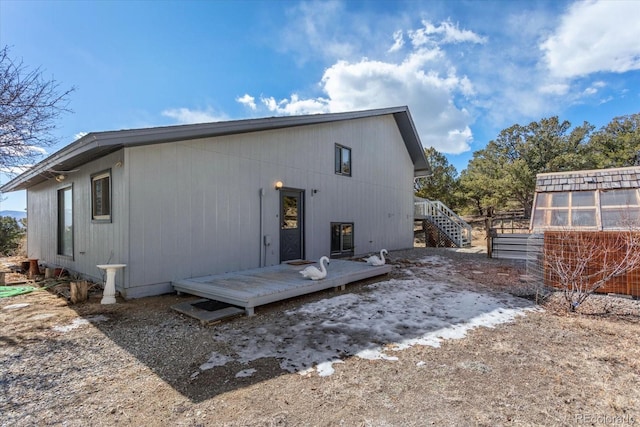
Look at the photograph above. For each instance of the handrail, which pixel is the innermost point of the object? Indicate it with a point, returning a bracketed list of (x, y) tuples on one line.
[(435, 210)]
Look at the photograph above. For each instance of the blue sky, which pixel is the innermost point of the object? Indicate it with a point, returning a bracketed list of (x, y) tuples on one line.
[(466, 69)]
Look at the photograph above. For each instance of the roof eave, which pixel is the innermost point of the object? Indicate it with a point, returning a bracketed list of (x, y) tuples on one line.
[(98, 144)]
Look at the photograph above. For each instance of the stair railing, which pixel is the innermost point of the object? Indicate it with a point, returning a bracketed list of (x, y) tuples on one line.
[(447, 221)]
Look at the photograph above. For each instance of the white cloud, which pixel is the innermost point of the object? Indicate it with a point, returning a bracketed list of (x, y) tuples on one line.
[(595, 36), (248, 101), (37, 150), (554, 88), (398, 41), (296, 106), (374, 84), (594, 88), (446, 33), (21, 150), (423, 79), (317, 24), (187, 116), (14, 170), (369, 84)]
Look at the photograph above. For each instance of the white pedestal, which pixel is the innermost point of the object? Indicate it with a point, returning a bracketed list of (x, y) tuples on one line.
[(109, 295)]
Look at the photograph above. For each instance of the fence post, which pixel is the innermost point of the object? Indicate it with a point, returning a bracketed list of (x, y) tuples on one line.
[(489, 235)]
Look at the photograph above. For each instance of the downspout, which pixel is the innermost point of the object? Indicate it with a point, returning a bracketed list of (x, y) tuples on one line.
[(261, 192)]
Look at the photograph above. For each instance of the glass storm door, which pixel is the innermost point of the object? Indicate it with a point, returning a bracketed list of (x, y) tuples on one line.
[(291, 225)]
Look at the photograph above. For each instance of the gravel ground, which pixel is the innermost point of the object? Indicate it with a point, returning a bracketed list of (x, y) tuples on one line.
[(133, 363)]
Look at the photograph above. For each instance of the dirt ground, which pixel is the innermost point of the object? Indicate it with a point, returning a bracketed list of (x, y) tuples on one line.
[(133, 363)]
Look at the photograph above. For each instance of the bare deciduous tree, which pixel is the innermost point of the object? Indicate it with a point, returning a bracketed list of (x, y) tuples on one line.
[(29, 106), (580, 263)]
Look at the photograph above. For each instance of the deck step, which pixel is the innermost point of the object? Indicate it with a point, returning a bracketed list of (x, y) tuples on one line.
[(206, 317)]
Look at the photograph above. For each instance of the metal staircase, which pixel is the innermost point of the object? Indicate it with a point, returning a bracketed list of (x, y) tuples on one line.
[(448, 223)]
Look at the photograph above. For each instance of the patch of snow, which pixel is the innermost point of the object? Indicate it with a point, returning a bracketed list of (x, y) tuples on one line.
[(246, 373), (16, 306), (421, 364), (42, 316), (80, 322), (216, 359), (392, 316), (436, 261), (374, 354)]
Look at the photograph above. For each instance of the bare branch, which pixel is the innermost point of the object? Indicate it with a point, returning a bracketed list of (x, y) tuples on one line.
[(582, 262), (29, 107)]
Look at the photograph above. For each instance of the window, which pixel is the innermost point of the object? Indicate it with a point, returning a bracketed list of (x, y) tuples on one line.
[(565, 209), (290, 214), (341, 239), (101, 197), (65, 221), (620, 208), (598, 210), (343, 160)]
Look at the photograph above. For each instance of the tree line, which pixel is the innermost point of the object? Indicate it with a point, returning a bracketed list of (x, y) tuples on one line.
[(502, 176)]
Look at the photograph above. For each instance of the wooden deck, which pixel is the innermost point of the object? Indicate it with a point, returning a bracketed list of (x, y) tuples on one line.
[(259, 286)]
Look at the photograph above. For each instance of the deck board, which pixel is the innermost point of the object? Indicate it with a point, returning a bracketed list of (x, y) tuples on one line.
[(259, 286)]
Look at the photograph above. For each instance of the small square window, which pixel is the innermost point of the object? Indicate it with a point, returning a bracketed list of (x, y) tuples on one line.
[(343, 160), (101, 197)]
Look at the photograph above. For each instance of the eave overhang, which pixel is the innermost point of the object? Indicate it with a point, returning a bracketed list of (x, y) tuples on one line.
[(98, 144)]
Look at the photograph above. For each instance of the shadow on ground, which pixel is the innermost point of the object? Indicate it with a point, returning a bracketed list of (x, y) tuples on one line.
[(374, 319), (418, 304)]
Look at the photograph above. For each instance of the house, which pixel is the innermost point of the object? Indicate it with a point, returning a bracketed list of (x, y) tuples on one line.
[(185, 201)]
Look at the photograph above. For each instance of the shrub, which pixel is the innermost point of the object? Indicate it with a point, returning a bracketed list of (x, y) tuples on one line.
[(10, 235)]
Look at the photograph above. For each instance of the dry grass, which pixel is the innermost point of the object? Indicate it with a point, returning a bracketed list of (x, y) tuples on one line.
[(548, 368)]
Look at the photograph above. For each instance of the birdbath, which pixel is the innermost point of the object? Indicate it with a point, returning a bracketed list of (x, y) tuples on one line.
[(109, 294)]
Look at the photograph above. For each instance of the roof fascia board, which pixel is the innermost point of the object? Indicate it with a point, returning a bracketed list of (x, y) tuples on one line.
[(412, 141)]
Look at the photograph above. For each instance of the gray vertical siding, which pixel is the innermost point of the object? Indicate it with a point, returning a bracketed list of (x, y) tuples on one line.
[(94, 243), (195, 205), (192, 208)]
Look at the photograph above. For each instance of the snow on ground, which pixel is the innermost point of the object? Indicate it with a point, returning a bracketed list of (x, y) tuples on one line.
[(393, 315), (76, 323)]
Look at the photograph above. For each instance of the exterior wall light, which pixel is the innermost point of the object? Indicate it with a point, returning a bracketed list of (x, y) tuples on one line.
[(279, 185)]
